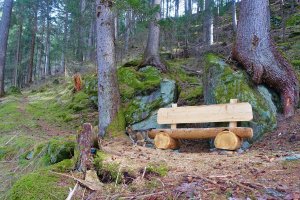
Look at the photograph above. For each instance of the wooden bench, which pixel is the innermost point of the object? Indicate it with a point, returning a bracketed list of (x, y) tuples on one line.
[(228, 138)]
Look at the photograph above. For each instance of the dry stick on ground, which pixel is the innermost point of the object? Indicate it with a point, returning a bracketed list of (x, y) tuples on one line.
[(72, 192), (87, 184)]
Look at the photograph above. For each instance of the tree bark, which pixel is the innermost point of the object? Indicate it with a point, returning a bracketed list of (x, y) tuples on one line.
[(108, 91), (208, 25), (256, 51), (4, 30), (47, 46), (33, 36), (63, 56), (85, 142), (18, 55), (176, 8), (151, 55), (234, 20)]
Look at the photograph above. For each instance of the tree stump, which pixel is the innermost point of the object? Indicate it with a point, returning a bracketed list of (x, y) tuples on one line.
[(77, 82), (85, 142), (164, 141)]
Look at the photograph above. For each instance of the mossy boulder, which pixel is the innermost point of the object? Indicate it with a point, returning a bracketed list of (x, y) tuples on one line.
[(223, 82), (59, 150), (142, 111)]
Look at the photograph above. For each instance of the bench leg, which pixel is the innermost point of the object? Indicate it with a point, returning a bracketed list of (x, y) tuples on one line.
[(228, 141), (164, 141)]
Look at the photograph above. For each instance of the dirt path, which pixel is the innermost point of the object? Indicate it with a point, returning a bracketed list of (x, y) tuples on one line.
[(43, 126)]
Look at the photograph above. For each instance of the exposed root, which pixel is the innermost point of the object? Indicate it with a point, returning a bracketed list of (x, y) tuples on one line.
[(154, 61)]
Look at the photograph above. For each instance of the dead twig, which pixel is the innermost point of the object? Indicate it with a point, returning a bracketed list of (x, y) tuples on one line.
[(243, 186), (86, 184), (72, 192)]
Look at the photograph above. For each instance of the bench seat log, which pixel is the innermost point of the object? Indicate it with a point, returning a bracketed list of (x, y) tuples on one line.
[(234, 112), (202, 133)]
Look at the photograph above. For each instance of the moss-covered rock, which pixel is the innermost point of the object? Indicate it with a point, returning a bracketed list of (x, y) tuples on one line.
[(133, 83), (59, 150), (223, 83), (39, 185)]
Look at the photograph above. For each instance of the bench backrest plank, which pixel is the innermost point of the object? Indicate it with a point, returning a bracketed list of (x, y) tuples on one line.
[(203, 114)]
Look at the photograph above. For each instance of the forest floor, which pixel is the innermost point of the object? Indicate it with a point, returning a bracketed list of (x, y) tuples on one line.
[(270, 169)]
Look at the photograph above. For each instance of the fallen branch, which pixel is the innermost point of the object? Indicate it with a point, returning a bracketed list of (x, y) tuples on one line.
[(72, 192), (243, 186), (86, 184)]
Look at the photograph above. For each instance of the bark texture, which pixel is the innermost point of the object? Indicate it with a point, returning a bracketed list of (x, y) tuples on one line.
[(33, 36), (151, 55), (84, 140), (208, 25), (255, 50), (4, 30), (108, 91), (234, 20)]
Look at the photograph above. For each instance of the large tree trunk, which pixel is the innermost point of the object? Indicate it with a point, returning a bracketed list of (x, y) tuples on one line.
[(108, 91), (34, 30), (255, 50), (4, 30), (208, 25), (151, 55)]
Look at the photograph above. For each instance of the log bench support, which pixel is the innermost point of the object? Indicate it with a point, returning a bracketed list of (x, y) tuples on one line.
[(227, 138)]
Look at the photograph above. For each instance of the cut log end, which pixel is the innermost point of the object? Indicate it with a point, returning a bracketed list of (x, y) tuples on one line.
[(164, 141), (228, 141)]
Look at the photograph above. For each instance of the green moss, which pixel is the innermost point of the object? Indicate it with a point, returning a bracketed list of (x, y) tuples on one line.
[(60, 149), (132, 82), (293, 20), (80, 101), (117, 126), (107, 171), (13, 90), (296, 64), (65, 165), (191, 95), (38, 185), (160, 169), (136, 109), (14, 147)]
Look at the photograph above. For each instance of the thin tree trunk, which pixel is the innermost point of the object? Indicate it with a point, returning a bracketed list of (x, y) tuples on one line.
[(18, 55), (47, 59), (151, 55), (33, 36), (176, 8), (234, 20), (208, 24), (127, 31), (108, 91), (4, 30), (63, 56), (256, 51)]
